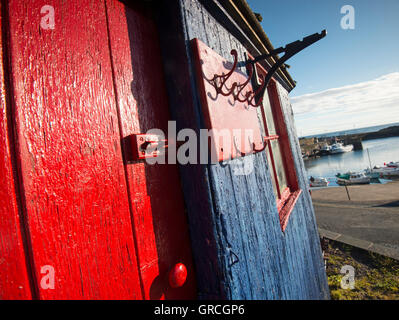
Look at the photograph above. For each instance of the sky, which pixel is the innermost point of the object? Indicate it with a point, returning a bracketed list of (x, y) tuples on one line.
[(349, 79)]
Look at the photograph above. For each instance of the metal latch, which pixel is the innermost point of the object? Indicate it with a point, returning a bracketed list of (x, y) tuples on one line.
[(148, 146)]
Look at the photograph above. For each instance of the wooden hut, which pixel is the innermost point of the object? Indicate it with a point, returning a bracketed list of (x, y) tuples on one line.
[(84, 217)]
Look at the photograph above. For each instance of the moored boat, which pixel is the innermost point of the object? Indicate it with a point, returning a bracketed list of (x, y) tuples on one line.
[(393, 164), (371, 174), (340, 148), (351, 178), (318, 182), (324, 150), (383, 172)]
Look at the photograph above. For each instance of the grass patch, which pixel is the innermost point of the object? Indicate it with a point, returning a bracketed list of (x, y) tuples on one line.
[(376, 276)]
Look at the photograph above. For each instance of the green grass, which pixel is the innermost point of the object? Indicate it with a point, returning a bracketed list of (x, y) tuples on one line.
[(376, 276)]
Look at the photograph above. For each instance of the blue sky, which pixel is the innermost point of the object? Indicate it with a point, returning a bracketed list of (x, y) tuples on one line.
[(365, 59)]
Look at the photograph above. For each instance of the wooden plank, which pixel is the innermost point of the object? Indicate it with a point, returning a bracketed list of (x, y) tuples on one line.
[(69, 150), (230, 207), (315, 264), (159, 217), (194, 178), (14, 281)]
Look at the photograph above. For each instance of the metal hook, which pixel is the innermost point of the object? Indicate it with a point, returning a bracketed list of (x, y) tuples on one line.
[(255, 94), (224, 77), (242, 86), (236, 89), (265, 142), (261, 149)]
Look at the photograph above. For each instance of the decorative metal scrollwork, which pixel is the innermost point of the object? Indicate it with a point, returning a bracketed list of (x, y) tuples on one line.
[(250, 97)]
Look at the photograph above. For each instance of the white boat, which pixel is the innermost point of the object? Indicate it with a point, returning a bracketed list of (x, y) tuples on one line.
[(384, 172), (340, 148), (325, 150), (352, 178), (371, 174), (393, 164), (318, 182)]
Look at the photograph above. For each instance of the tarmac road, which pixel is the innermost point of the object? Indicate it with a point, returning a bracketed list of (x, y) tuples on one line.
[(372, 214)]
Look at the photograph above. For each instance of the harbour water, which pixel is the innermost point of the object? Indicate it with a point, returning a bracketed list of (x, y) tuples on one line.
[(381, 151)]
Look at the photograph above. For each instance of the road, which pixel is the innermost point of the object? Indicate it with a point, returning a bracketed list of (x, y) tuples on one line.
[(372, 214)]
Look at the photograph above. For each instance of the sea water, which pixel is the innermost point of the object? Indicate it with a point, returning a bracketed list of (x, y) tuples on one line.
[(381, 151)]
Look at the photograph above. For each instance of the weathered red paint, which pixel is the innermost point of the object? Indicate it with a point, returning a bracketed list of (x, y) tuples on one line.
[(222, 112), (283, 134), (72, 173), (109, 228), (178, 275), (288, 159), (14, 281), (289, 205), (161, 229)]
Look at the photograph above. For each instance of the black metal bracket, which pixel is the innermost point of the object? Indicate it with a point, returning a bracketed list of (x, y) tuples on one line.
[(290, 50)]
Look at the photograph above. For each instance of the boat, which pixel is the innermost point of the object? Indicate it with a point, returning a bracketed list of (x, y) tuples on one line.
[(372, 174), (325, 150), (393, 164), (340, 148), (351, 178), (318, 182), (383, 172)]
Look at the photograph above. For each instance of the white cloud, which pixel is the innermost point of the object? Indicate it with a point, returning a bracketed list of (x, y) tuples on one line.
[(354, 106)]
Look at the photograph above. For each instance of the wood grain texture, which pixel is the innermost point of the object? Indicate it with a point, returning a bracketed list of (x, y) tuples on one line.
[(14, 281), (69, 151), (255, 259), (194, 177), (155, 193)]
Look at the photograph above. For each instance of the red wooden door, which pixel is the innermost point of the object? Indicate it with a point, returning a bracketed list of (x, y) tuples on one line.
[(108, 230), (155, 192)]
